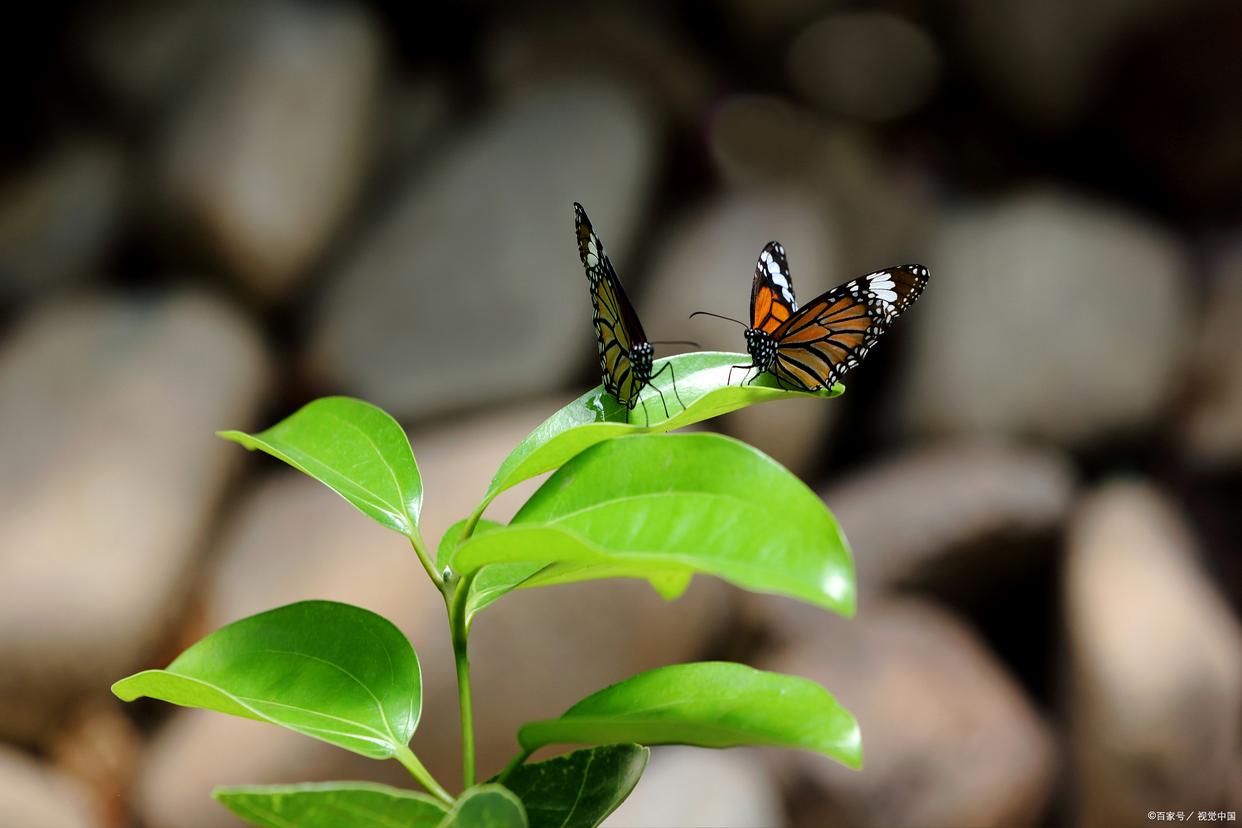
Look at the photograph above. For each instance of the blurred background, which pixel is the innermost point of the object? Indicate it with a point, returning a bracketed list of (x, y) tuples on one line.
[(213, 212)]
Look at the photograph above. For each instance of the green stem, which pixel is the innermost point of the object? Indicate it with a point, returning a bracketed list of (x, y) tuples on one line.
[(513, 765), (420, 549), (459, 632), (406, 757), (473, 521)]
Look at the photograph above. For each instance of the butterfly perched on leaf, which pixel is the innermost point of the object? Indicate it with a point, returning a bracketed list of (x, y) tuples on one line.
[(625, 353), (812, 346)]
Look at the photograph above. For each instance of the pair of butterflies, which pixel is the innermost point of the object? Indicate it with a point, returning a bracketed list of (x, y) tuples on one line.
[(805, 348)]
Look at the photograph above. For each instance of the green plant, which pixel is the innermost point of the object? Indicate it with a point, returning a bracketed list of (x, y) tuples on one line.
[(625, 501)]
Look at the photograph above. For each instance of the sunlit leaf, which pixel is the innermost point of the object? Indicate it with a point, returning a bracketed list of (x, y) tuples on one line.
[(353, 448), (332, 671), (703, 383), (712, 704), (663, 506), (331, 805)]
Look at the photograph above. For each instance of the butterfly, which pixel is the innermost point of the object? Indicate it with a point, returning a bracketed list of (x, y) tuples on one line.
[(625, 354), (811, 347)]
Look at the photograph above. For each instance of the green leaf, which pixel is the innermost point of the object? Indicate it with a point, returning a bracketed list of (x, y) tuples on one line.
[(664, 506), (353, 448), (331, 805), (494, 581), (331, 671), (580, 789), (712, 704), (486, 806), (703, 383)]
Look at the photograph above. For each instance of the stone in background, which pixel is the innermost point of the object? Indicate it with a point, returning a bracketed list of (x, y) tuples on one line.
[(112, 476), (1047, 315), (264, 159), (468, 291), (948, 737), (1155, 663), (57, 217)]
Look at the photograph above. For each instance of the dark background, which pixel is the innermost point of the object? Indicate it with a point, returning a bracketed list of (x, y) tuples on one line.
[(213, 212)]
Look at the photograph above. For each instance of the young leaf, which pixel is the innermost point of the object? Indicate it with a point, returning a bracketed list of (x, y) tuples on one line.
[(660, 506), (331, 671), (353, 448), (703, 383), (712, 704), (496, 580), (331, 805), (580, 789), (486, 806)]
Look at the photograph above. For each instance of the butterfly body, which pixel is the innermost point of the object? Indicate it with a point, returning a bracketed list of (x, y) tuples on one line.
[(811, 347), (626, 357)]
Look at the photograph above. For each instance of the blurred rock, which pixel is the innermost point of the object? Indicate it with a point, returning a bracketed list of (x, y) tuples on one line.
[(707, 263), (1156, 661), (756, 138), (99, 747), (34, 796), (696, 788), (634, 47), (1044, 60), (880, 203), (1049, 316), (264, 159), (1212, 429), (412, 119), (107, 408), (533, 654), (144, 55), (869, 65), (941, 513), (469, 290), (1169, 116), (57, 217), (948, 737), (769, 20)]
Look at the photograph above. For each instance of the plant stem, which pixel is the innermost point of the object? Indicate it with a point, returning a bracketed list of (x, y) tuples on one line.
[(513, 765), (420, 549), (466, 711), (406, 757), (456, 591)]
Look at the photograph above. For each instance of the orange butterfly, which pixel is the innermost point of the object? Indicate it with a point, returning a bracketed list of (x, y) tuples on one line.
[(810, 348)]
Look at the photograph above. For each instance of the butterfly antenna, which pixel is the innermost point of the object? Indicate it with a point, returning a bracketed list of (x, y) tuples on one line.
[(718, 316)]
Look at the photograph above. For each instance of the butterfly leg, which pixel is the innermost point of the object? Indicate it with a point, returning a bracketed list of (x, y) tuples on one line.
[(662, 402), (668, 366), (638, 399), (729, 379)]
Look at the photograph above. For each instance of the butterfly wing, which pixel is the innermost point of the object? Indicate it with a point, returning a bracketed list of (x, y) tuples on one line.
[(772, 299), (617, 329), (834, 331)]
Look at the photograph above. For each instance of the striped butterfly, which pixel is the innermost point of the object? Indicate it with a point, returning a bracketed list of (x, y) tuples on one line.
[(625, 354), (812, 347)]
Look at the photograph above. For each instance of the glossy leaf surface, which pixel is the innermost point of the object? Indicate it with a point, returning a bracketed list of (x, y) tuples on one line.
[(703, 383), (353, 448), (665, 506), (486, 806), (331, 805), (580, 789), (711, 704), (332, 671)]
